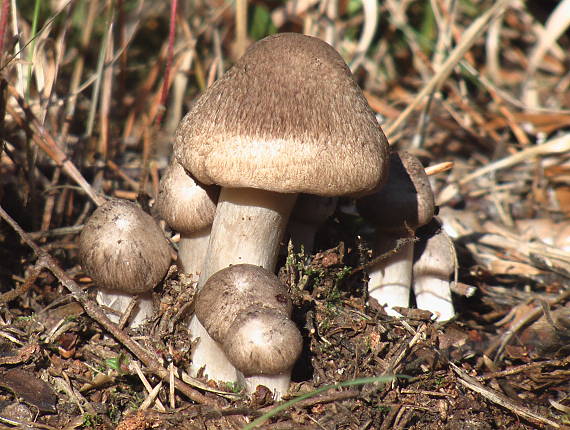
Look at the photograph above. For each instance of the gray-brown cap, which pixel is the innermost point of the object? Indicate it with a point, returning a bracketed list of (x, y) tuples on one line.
[(263, 342), (228, 292), (122, 248), (406, 199), (287, 117), (186, 205)]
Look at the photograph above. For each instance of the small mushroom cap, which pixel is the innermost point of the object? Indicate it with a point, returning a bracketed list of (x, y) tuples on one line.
[(186, 205), (263, 342), (434, 253), (228, 292), (287, 117), (122, 248), (405, 200)]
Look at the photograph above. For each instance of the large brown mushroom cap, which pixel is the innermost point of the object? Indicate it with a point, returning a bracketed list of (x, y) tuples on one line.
[(263, 342), (184, 204), (230, 291), (122, 248), (287, 117), (406, 199)]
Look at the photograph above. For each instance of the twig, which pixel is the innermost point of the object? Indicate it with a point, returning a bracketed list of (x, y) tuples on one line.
[(45, 260), (529, 317), (17, 292), (500, 399), (439, 168), (564, 362), (42, 139), (168, 66)]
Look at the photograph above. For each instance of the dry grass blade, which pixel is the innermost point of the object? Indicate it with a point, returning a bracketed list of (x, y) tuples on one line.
[(556, 25), (469, 38), (43, 140), (500, 399), (241, 27), (558, 145), (439, 168), (370, 8)]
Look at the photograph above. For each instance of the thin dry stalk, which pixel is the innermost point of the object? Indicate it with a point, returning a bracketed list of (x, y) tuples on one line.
[(469, 38), (241, 41), (500, 399), (556, 25), (44, 141)]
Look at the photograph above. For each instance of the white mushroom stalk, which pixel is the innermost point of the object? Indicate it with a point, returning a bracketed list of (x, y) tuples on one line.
[(432, 271), (126, 253), (248, 228), (390, 280), (405, 203)]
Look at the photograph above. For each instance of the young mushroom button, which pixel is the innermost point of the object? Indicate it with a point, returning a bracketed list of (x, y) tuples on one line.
[(125, 252), (263, 344), (245, 310), (287, 118), (188, 208)]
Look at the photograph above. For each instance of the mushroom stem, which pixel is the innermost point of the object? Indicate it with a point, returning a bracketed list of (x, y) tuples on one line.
[(390, 280), (209, 354), (434, 265), (434, 294), (192, 250), (120, 301), (278, 384), (247, 228)]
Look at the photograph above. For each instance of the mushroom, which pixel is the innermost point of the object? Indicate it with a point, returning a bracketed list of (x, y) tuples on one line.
[(287, 118), (188, 208), (126, 254), (263, 344), (245, 310), (432, 270), (405, 203)]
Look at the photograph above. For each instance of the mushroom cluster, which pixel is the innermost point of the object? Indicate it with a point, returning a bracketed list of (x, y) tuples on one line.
[(287, 120), (402, 206), (265, 133)]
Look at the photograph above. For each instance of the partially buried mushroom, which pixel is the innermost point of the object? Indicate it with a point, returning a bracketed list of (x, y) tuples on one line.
[(126, 253), (246, 311)]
